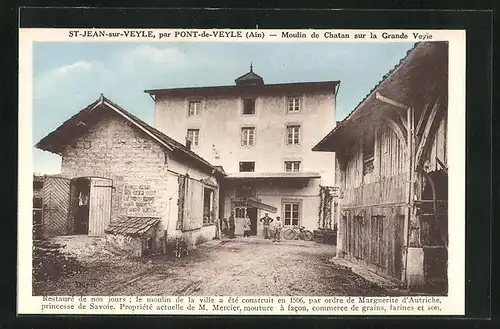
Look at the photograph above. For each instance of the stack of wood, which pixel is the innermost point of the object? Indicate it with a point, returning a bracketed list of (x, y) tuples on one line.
[(327, 236)]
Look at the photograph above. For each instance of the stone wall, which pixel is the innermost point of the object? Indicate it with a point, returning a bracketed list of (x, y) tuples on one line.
[(130, 245), (137, 165)]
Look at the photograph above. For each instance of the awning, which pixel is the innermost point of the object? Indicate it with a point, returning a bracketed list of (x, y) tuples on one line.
[(260, 205), (260, 175)]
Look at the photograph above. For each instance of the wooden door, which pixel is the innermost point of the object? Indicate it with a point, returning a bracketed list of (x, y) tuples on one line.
[(240, 213), (56, 192), (99, 205), (193, 207)]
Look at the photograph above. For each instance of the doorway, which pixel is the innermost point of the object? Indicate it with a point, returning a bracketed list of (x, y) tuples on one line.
[(252, 213), (81, 187), (90, 210)]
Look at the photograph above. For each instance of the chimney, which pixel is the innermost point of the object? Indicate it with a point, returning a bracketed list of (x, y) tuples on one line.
[(188, 143)]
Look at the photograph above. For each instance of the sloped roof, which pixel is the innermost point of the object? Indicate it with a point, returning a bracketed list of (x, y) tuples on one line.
[(250, 78), (132, 225), (74, 125), (271, 88), (424, 62)]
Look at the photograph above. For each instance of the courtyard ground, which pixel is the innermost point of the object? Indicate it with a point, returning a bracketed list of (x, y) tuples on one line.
[(242, 266)]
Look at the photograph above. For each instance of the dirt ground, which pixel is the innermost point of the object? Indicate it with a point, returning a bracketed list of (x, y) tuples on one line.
[(242, 266)]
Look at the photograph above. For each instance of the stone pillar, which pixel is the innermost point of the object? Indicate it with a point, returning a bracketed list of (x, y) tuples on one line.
[(340, 232), (415, 267), (415, 276)]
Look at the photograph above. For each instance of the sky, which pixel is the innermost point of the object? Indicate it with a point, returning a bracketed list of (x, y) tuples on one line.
[(69, 76)]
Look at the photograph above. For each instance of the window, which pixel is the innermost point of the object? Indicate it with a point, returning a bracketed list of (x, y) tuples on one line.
[(37, 203), (194, 136), (292, 165), (37, 184), (292, 213), (208, 206), (293, 134), (247, 166), (293, 104), (194, 108), (248, 105), (368, 154), (247, 136), (239, 212)]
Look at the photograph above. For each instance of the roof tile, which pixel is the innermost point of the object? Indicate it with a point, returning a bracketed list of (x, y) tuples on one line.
[(132, 225)]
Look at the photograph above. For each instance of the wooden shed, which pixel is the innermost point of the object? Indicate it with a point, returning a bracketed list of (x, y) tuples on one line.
[(391, 154)]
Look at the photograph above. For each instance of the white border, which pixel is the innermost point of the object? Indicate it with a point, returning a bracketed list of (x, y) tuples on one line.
[(453, 304)]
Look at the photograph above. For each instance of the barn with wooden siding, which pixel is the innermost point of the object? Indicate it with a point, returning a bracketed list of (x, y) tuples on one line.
[(117, 170), (391, 154)]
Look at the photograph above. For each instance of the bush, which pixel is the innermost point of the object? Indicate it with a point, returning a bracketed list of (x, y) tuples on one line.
[(50, 264), (176, 246)]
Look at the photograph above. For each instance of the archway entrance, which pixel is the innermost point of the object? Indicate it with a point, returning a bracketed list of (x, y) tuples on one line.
[(434, 228)]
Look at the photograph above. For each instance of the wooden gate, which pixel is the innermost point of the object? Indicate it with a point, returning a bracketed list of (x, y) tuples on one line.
[(99, 205), (55, 206), (374, 236)]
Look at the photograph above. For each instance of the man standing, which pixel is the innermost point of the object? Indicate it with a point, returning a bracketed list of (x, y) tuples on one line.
[(278, 225), (224, 227), (231, 225), (247, 224), (266, 220)]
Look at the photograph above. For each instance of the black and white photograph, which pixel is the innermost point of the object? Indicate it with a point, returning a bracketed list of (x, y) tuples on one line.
[(261, 169)]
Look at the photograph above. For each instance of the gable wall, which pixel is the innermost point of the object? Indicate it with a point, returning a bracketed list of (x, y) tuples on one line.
[(114, 149)]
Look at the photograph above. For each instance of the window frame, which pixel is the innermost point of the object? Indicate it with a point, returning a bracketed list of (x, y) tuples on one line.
[(246, 162), (247, 128), (300, 104), (243, 99), (211, 217), (292, 202), (198, 140), (368, 160), (293, 162), (191, 101), (299, 133)]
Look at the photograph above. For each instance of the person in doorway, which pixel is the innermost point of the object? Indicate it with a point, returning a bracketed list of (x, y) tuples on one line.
[(278, 225), (247, 224), (224, 227), (232, 225), (266, 221)]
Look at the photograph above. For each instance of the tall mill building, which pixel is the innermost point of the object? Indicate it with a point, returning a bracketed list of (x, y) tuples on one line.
[(261, 135)]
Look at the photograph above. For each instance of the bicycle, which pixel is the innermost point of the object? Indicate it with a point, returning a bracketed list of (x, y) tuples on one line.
[(296, 233)]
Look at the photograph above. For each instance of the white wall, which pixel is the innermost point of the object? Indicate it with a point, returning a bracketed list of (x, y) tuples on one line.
[(275, 195), (220, 122)]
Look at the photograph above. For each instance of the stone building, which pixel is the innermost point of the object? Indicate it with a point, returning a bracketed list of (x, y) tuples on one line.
[(118, 170), (262, 135)]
